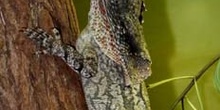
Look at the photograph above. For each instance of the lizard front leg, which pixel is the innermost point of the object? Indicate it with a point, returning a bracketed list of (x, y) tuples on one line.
[(53, 45), (90, 63), (85, 47)]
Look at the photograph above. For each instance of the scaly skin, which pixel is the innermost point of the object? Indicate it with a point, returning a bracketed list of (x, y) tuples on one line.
[(115, 26), (110, 55)]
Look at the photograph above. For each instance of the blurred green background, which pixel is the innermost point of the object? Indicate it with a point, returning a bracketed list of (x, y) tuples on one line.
[(182, 36)]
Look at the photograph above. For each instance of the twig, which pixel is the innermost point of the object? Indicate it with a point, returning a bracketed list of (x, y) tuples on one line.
[(191, 84), (182, 103), (2, 17)]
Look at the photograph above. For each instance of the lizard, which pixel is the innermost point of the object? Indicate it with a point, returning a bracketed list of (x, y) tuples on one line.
[(110, 54)]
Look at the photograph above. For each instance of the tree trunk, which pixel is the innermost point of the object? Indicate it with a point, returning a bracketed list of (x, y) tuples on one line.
[(37, 82)]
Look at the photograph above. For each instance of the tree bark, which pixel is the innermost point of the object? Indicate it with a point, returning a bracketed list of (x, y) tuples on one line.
[(37, 82)]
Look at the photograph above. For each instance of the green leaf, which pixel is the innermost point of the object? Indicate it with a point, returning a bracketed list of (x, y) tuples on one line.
[(198, 95), (190, 103), (168, 80), (216, 80)]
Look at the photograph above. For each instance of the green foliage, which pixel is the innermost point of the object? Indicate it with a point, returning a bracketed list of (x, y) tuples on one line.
[(190, 103), (198, 94), (150, 86), (216, 79)]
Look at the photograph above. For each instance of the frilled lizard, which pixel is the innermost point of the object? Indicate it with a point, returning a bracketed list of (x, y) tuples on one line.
[(110, 54)]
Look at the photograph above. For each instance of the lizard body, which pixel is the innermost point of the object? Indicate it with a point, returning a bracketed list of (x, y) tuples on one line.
[(110, 54), (116, 28)]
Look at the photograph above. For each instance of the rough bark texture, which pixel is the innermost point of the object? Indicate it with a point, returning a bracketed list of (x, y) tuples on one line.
[(29, 81)]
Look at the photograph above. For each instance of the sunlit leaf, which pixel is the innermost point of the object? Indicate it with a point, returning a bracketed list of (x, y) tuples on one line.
[(217, 77), (198, 95), (168, 80), (190, 103)]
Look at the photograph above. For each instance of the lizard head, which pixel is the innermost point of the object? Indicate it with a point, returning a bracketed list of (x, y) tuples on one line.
[(118, 8), (117, 25), (127, 18)]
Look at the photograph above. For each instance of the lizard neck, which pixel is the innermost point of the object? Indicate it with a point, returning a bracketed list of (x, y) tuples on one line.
[(97, 10)]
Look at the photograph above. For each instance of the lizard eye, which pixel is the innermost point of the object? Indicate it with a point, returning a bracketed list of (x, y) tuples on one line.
[(56, 33)]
